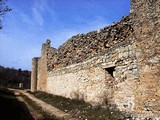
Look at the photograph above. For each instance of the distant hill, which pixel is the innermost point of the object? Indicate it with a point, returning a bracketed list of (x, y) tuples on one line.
[(12, 77)]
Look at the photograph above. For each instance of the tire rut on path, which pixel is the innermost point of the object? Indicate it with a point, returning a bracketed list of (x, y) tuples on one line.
[(53, 111)]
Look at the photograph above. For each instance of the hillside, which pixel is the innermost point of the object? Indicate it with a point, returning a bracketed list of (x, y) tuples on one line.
[(11, 77)]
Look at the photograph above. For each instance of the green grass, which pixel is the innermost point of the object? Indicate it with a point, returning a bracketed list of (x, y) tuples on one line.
[(78, 108)]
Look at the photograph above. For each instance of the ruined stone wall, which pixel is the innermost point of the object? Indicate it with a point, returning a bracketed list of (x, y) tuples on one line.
[(47, 54), (146, 19), (100, 80), (118, 65), (84, 46)]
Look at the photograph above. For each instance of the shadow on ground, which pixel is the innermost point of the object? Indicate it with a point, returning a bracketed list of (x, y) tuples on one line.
[(11, 108)]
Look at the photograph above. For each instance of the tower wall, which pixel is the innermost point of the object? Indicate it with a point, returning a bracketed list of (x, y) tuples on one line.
[(34, 74), (45, 64), (145, 16), (146, 23)]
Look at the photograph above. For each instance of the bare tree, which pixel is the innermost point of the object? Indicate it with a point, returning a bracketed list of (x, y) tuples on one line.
[(3, 10)]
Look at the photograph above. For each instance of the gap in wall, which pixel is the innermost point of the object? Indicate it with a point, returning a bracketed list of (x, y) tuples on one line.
[(110, 70)]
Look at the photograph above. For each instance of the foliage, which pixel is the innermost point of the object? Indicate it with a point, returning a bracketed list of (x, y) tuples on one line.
[(11, 77), (5, 91), (3, 10)]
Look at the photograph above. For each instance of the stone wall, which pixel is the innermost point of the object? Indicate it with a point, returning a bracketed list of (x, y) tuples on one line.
[(34, 74), (44, 65), (146, 19), (84, 46), (117, 66), (95, 80)]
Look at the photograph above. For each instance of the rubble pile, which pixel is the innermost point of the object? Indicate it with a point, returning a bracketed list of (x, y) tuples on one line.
[(83, 46)]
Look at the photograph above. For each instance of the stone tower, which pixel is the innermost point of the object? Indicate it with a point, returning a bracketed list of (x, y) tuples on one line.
[(34, 75), (145, 8), (42, 68), (145, 15)]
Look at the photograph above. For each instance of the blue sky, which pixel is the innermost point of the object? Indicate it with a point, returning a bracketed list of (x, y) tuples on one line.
[(31, 22)]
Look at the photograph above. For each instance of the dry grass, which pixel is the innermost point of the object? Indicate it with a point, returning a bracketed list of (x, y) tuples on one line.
[(45, 116), (78, 108)]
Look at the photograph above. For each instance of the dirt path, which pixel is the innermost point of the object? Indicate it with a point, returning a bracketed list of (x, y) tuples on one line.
[(33, 112), (53, 111), (13, 109)]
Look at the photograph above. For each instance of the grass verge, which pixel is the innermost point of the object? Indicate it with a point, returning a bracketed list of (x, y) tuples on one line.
[(78, 108)]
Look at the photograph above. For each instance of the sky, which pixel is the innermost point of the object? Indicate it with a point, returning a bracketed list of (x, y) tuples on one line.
[(31, 22)]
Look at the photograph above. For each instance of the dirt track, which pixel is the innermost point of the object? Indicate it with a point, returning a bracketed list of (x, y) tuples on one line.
[(46, 107), (12, 109)]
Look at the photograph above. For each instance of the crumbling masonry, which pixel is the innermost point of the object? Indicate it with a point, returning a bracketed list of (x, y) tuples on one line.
[(117, 66)]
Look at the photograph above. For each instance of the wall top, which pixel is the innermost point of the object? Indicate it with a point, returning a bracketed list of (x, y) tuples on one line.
[(144, 6)]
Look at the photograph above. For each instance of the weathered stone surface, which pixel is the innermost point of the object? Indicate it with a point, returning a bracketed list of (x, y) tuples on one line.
[(34, 76), (117, 66)]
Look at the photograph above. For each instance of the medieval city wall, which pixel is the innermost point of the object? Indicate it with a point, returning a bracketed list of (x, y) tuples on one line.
[(146, 24), (117, 66), (84, 46), (99, 79)]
